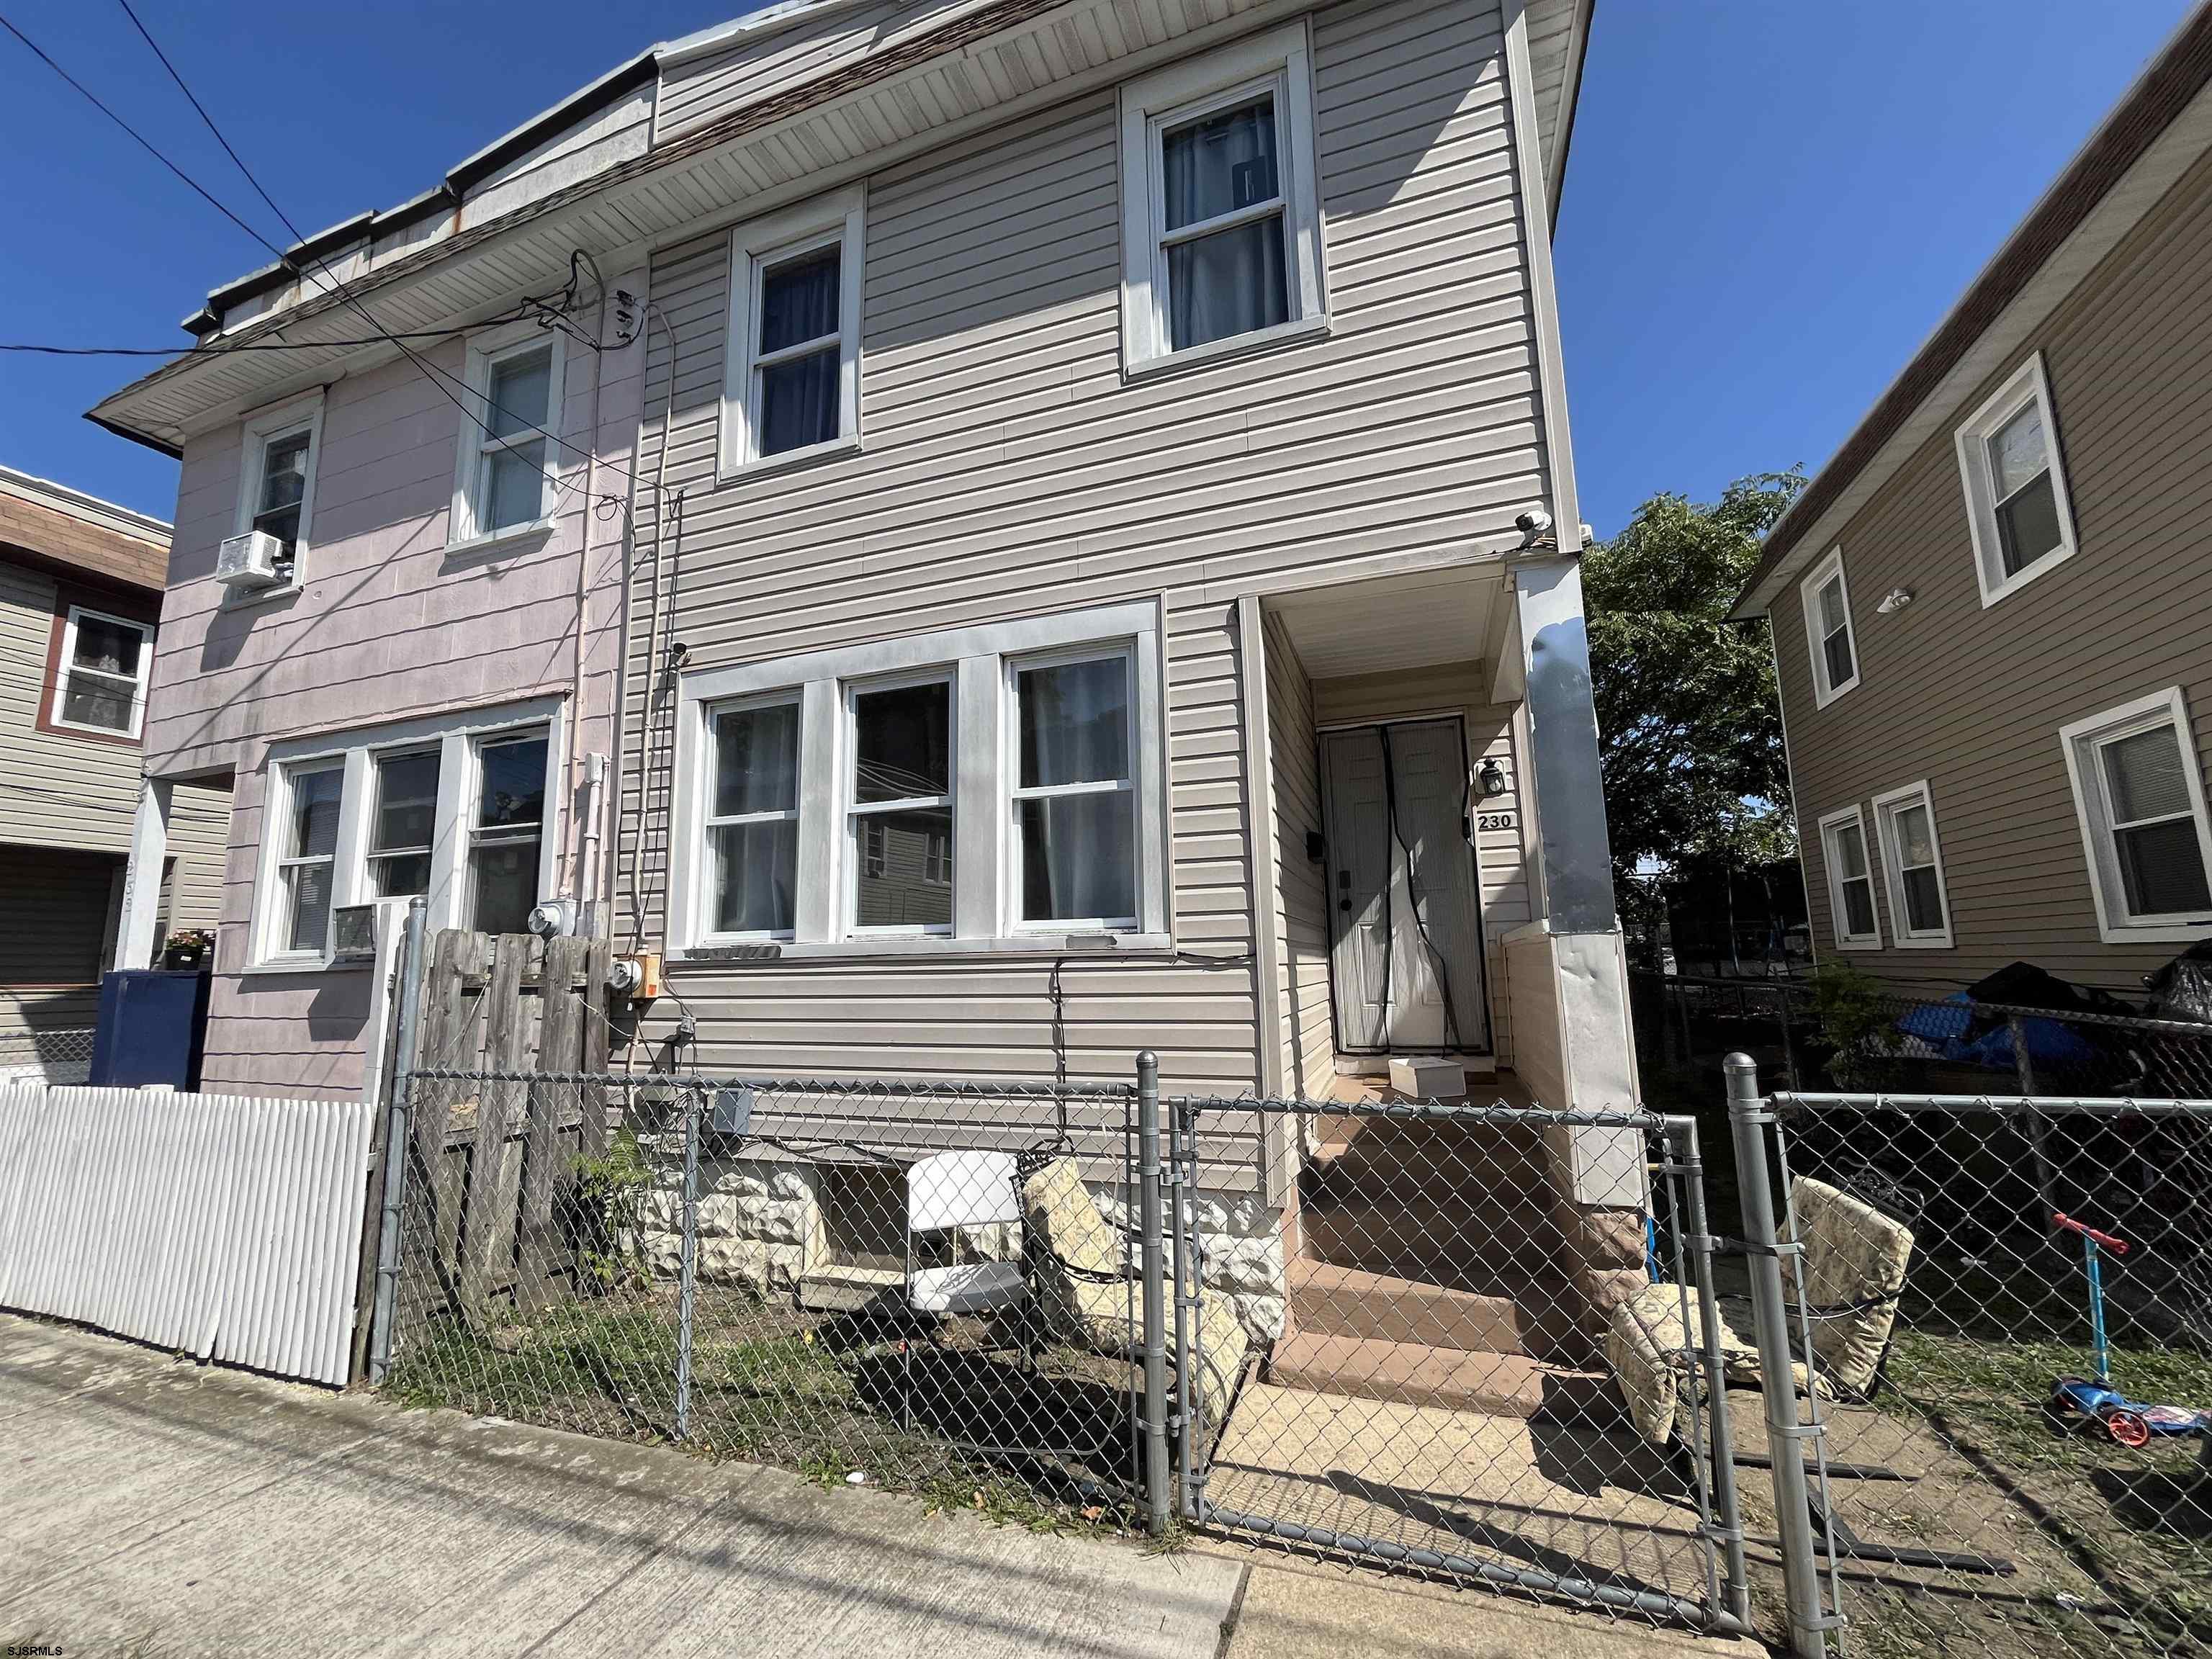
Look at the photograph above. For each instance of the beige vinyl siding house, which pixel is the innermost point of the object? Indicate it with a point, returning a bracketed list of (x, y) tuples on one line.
[(79, 598), (1060, 541), (2087, 346)]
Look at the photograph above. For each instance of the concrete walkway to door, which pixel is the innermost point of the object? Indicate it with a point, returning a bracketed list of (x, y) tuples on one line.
[(153, 1506)]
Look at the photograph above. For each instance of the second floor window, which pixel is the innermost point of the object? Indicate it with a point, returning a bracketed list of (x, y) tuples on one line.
[(276, 484), (2016, 484), (283, 492), (791, 385), (1221, 222), (100, 685), (1828, 631), (505, 475)]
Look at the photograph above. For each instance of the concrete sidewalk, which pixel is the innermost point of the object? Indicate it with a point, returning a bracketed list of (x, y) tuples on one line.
[(158, 1507), (155, 1507)]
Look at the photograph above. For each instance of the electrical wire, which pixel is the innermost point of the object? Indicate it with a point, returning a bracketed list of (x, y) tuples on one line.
[(338, 288)]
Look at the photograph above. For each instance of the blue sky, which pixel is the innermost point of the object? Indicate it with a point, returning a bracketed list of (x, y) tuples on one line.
[(1770, 201)]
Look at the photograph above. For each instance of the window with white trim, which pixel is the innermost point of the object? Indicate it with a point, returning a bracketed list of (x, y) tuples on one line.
[(1851, 880), (100, 679), (1829, 634), (2139, 795), (900, 800), (458, 808), (2016, 483), (1074, 791), (1912, 864), (1221, 222), (752, 819), (506, 476), (277, 485), (988, 788), (306, 866), (791, 369)]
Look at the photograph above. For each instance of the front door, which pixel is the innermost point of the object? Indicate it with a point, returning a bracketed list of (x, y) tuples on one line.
[(1405, 909)]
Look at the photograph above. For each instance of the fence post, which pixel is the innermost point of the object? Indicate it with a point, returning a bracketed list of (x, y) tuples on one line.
[(1789, 1040), (2039, 1132), (396, 1138), (1154, 1270), (1689, 1155), (688, 1284), (1748, 1118)]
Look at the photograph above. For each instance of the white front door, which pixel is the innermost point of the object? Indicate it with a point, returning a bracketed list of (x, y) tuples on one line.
[(1405, 906)]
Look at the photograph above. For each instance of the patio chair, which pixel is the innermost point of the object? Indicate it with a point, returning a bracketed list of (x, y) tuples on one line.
[(945, 1193), (1852, 1271)]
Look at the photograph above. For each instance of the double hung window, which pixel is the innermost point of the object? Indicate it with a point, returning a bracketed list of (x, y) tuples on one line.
[(100, 680), (1920, 911), (505, 477), (791, 373), (1828, 631), (1221, 238), (306, 863), (2139, 793), (276, 484), (507, 832), (1851, 880), (403, 825), (1074, 792), (900, 802), (990, 786), (2016, 484)]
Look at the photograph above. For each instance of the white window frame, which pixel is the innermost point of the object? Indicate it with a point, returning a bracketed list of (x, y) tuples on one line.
[(1016, 793), (698, 925), (260, 429), (2028, 383), (275, 910), (456, 737), (1853, 818), (984, 906), (1886, 808), (486, 351), (2080, 740), (67, 666), (377, 756), (862, 816), (1278, 61), (839, 219), (1809, 597)]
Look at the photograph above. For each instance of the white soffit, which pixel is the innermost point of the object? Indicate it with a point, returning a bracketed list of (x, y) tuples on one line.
[(1413, 621)]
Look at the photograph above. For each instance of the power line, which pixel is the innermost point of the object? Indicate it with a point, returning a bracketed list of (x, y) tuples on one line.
[(436, 377)]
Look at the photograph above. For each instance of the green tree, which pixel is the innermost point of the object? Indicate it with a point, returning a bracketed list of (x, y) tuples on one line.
[(1689, 722)]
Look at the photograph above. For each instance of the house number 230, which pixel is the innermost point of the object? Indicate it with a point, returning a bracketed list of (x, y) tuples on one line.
[(1493, 820)]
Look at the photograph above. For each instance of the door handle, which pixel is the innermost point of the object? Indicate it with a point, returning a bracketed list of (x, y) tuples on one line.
[(1344, 905)]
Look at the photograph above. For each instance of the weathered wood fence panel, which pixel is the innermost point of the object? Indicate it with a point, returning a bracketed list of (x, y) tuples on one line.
[(494, 1161)]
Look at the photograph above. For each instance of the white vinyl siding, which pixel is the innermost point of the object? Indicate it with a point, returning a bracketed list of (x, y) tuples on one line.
[(2017, 506), (1849, 861), (1912, 864), (2139, 795)]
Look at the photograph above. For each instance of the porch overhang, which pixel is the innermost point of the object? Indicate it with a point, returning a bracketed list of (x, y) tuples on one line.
[(1418, 619)]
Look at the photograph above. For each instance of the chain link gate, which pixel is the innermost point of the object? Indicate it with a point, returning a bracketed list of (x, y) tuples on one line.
[(1431, 1285), (1981, 1296)]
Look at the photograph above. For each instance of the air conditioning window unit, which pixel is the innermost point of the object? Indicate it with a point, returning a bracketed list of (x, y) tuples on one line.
[(353, 932), (257, 559)]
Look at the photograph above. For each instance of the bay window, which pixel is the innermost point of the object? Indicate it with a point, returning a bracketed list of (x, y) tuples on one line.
[(1221, 222), (459, 809), (1000, 787)]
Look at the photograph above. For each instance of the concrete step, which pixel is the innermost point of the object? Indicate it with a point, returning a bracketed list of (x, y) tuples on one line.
[(1497, 1384), (1329, 1300), (847, 1287), (1489, 1248)]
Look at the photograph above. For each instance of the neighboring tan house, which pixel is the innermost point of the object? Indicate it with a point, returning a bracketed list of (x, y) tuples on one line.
[(1084, 488), (1992, 611), (81, 583)]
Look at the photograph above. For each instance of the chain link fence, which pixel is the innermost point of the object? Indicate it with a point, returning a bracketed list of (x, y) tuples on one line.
[(56, 1058), (2004, 1330), (918, 1286), (1432, 1394), (1853, 1033)]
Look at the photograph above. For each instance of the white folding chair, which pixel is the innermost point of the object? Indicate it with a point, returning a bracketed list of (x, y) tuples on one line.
[(945, 1193)]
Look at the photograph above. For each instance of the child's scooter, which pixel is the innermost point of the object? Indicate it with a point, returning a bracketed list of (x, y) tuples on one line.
[(2130, 1422)]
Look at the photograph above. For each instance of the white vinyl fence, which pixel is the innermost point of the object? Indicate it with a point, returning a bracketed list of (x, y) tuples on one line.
[(224, 1227)]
